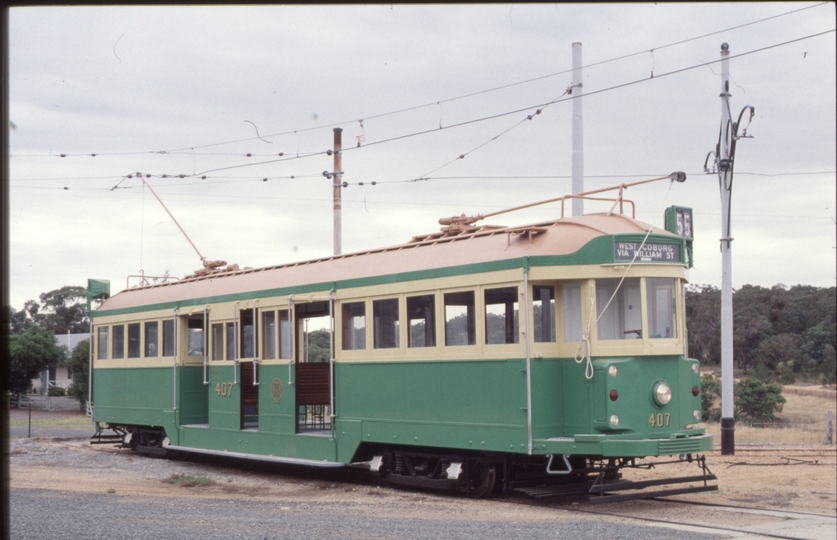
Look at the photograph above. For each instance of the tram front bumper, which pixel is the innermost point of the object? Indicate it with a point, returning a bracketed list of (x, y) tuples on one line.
[(615, 446)]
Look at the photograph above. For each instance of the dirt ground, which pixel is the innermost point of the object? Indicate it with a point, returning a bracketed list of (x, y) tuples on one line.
[(789, 477)]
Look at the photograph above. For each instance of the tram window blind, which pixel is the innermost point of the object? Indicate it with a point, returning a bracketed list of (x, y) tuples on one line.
[(284, 334), (218, 341), (230, 341), (386, 327), (571, 293), (268, 334), (460, 319), (102, 343), (543, 310), (118, 341), (134, 340), (168, 337), (354, 326), (151, 328), (421, 321)]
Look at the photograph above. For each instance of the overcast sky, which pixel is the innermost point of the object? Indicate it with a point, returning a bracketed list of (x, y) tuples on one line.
[(248, 97)]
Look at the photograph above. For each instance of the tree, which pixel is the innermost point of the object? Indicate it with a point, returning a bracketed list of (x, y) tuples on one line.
[(65, 310), (79, 365), (757, 400), (61, 310), (829, 365), (30, 352), (703, 310), (18, 320), (780, 353), (319, 346)]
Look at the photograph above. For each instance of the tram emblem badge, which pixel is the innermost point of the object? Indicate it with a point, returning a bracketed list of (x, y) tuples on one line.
[(276, 390)]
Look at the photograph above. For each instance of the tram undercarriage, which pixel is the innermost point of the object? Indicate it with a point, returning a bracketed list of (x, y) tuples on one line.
[(540, 477)]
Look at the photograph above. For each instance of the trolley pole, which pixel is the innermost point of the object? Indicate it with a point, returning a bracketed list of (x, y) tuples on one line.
[(337, 184), (724, 166), (578, 132)]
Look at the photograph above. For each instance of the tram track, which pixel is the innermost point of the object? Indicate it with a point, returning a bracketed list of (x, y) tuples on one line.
[(829, 520)]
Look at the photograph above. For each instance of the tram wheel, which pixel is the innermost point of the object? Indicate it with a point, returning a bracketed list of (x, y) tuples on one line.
[(483, 477)]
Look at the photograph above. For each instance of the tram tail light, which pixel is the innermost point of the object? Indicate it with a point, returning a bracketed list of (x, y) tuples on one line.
[(695, 391), (614, 395)]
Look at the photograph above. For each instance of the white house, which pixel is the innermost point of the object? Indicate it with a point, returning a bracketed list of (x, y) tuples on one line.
[(60, 375)]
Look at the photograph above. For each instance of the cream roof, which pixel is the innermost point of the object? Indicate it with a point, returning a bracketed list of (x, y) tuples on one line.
[(478, 245)]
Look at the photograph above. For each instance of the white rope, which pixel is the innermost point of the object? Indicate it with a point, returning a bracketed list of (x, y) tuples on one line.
[(582, 351)]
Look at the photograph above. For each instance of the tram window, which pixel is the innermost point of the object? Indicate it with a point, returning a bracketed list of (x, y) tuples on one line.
[(168, 337), (268, 334), (231, 341), (501, 308), (622, 319), (218, 341), (151, 328), (194, 336), (134, 340), (460, 326), (118, 341), (248, 333), (421, 321), (571, 295), (354, 326), (102, 343), (662, 310), (543, 309), (284, 335), (385, 314)]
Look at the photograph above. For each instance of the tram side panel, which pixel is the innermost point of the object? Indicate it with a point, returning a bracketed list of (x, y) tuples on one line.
[(469, 405)]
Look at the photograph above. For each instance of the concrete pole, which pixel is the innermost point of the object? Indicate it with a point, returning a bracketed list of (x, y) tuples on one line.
[(578, 132), (337, 179), (724, 180)]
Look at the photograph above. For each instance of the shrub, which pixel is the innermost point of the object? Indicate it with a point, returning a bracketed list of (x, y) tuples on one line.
[(710, 394), (56, 391), (757, 400)]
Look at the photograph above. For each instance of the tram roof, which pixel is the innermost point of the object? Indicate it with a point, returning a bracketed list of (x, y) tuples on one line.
[(446, 249)]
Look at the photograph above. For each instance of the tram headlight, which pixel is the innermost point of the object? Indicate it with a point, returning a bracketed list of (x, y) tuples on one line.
[(661, 393), (696, 415), (614, 420), (695, 367), (612, 371)]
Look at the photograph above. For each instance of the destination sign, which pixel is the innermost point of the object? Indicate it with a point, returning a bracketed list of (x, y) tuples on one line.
[(650, 252)]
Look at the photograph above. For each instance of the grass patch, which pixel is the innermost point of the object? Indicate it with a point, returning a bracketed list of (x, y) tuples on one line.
[(802, 421), (189, 480), (44, 419)]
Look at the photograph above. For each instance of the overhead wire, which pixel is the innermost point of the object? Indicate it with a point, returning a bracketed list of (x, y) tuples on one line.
[(360, 120)]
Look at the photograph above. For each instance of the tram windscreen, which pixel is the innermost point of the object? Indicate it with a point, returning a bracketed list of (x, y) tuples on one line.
[(618, 308), (662, 308)]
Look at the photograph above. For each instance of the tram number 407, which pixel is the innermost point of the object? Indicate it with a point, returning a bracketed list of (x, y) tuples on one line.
[(224, 389), (660, 420)]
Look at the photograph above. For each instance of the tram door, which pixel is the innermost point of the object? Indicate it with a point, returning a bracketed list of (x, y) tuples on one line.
[(313, 344), (247, 339)]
